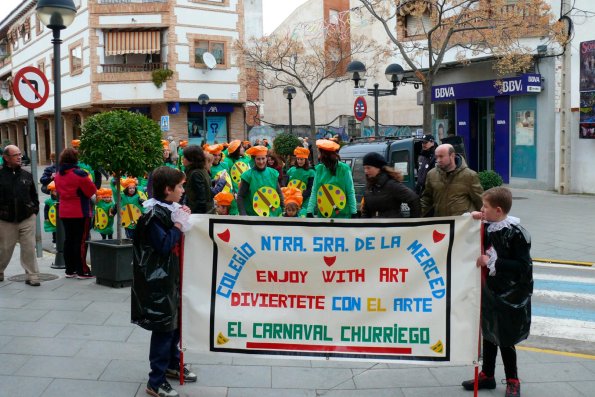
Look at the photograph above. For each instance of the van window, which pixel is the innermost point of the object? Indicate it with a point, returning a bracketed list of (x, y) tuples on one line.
[(359, 178), (400, 161)]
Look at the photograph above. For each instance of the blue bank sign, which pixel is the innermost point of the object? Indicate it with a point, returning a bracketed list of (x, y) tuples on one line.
[(521, 85)]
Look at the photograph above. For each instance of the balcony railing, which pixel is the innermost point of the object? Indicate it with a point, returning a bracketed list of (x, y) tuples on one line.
[(128, 67), (130, 1)]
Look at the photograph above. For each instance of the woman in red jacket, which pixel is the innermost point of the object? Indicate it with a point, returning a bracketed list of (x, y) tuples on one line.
[(75, 190)]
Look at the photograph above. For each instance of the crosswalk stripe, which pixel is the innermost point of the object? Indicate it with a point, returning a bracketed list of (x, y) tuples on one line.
[(563, 328)]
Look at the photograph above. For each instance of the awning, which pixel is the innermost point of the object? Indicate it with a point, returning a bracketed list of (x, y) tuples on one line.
[(123, 42)]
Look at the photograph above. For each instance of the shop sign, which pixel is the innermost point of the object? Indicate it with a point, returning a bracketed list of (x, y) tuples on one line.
[(524, 84)]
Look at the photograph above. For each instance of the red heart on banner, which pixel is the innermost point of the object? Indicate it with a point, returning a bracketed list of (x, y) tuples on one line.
[(224, 235), (330, 260), (438, 236)]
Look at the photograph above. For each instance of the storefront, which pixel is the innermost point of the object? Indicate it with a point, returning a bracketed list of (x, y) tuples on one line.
[(217, 123), (496, 120)]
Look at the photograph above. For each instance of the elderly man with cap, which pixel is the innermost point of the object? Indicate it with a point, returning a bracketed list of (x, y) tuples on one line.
[(426, 161), (173, 150), (19, 205), (384, 191)]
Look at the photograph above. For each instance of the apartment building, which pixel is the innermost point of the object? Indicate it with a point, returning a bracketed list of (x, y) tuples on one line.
[(113, 56)]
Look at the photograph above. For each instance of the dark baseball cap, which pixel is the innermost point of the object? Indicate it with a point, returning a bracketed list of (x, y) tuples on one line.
[(428, 138)]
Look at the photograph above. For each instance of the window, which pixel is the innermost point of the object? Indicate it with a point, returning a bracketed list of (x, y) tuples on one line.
[(333, 17), (41, 65), (216, 48), (417, 25), (38, 26), (76, 58)]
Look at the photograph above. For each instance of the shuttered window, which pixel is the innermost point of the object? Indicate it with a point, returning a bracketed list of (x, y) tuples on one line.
[(119, 43)]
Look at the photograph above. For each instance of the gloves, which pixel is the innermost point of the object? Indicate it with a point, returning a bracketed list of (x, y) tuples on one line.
[(492, 261), (182, 217)]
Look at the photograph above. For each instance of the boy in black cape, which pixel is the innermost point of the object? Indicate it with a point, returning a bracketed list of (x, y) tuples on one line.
[(156, 279)]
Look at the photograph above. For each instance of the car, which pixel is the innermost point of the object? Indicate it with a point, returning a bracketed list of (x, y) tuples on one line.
[(400, 153)]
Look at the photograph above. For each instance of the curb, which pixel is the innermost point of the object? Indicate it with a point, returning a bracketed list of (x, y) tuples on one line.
[(564, 262)]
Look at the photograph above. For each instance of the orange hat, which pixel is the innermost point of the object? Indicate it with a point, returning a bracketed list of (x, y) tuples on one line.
[(51, 186), (183, 143), (214, 149), (223, 198), (292, 195), (233, 146), (301, 152), (165, 144), (225, 144), (327, 145), (75, 143), (257, 151), (104, 192), (245, 142), (127, 182)]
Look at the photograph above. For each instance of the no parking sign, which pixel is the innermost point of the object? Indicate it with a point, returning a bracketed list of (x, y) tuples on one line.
[(360, 108)]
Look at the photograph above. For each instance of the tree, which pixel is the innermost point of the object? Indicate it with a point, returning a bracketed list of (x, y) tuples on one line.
[(470, 27), (122, 143), (310, 62)]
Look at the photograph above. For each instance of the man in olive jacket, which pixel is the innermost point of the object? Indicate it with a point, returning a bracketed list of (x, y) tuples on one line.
[(19, 205), (451, 187)]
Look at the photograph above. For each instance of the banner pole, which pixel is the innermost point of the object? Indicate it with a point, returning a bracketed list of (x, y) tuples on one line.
[(180, 309), (482, 250)]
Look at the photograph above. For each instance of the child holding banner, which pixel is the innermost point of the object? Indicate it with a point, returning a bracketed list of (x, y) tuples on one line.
[(506, 292), (156, 278)]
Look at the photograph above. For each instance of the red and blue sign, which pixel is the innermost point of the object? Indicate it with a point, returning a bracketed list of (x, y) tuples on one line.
[(360, 108)]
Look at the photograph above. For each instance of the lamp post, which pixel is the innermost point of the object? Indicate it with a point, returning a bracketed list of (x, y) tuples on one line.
[(289, 92), (57, 15), (394, 73), (203, 100)]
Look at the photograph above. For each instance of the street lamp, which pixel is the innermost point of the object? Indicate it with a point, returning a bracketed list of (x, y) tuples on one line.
[(57, 15), (203, 100), (394, 73), (289, 92)]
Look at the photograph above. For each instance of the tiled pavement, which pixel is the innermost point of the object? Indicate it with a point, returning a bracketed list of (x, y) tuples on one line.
[(74, 338)]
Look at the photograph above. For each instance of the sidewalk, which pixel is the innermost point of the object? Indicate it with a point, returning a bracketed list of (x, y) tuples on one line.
[(73, 337), (561, 227)]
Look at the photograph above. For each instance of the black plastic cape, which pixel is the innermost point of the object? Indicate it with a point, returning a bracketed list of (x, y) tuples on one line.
[(506, 296), (156, 277)]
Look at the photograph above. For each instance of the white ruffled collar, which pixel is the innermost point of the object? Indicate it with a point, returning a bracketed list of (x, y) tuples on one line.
[(150, 203), (507, 222)]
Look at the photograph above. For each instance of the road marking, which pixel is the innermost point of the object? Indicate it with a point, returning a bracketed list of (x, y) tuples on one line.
[(556, 352), (563, 328), (569, 279), (564, 286), (563, 262)]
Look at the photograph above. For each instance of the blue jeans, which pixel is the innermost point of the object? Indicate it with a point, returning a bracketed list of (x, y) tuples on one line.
[(163, 354)]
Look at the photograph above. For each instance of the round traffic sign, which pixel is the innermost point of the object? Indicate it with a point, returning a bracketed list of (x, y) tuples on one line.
[(360, 108), (31, 87)]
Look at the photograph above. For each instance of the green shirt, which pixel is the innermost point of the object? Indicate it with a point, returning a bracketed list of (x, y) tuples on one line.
[(49, 223), (332, 196), (103, 222), (263, 197), (298, 177)]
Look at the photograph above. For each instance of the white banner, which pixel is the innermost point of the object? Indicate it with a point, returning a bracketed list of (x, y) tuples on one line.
[(382, 290)]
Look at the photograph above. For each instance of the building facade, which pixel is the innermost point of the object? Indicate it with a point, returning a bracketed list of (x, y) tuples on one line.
[(335, 106), (525, 127), (113, 56)]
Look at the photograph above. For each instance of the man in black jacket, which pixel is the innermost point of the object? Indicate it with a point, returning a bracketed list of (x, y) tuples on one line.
[(19, 205), (426, 162)]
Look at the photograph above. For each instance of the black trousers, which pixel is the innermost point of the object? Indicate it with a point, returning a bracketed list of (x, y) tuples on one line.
[(76, 233), (490, 351)]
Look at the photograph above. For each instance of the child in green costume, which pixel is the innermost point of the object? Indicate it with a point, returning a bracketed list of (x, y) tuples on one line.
[(333, 195), (301, 175), (260, 193), (105, 211), (50, 212)]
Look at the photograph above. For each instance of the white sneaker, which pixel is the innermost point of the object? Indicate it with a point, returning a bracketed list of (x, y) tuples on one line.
[(165, 390)]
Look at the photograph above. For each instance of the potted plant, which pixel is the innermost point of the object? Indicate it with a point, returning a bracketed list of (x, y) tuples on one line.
[(160, 75), (121, 143), (489, 179)]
